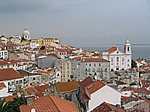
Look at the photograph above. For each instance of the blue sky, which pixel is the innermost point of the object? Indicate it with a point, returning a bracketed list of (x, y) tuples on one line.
[(78, 22)]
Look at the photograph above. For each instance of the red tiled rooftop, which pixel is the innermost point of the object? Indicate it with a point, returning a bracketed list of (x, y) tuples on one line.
[(85, 97), (3, 62), (2, 85), (66, 86), (9, 98), (43, 72), (42, 87), (85, 83), (61, 50), (112, 49), (50, 104), (31, 90), (87, 59), (91, 88), (107, 107), (9, 74), (76, 58)]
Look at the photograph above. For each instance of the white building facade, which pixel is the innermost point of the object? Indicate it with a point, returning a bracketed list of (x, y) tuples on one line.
[(95, 67), (3, 53), (119, 59)]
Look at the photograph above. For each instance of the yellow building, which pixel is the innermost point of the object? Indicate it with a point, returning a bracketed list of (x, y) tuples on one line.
[(47, 41)]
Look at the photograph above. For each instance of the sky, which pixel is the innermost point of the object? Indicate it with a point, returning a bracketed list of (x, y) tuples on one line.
[(78, 22)]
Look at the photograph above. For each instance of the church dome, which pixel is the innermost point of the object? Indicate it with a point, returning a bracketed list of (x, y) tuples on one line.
[(26, 32), (127, 42)]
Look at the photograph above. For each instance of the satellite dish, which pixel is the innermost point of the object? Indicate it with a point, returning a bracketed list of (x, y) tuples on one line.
[(33, 110)]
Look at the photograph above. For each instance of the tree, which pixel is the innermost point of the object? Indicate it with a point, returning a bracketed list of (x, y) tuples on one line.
[(133, 64), (12, 106), (4, 106), (16, 103)]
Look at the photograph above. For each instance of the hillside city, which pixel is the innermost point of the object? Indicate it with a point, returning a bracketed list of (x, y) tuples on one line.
[(50, 76)]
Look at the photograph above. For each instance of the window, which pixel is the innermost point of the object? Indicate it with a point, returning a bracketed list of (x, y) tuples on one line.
[(128, 49), (117, 59), (16, 82), (128, 60), (12, 83), (111, 59), (89, 64), (86, 69), (99, 64), (33, 78), (93, 70), (20, 81), (98, 69), (122, 59)]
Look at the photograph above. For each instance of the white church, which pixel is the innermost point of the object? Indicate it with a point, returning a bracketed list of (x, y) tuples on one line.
[(26, 34), (119, 59)]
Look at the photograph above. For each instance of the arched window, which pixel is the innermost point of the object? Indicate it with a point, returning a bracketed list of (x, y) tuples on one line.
[(128, 49)]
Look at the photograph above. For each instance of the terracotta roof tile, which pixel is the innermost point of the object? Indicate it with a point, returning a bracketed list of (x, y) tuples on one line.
[(42, 87), (10, 98), (85, 83), (9, 74), (76, 58), (2, 85), (85, 97), (87, 59), (31, 90), (91, 88), (107, 107), (43, 72), (66, 86), (50, 104), (3, 62), (112, 49)]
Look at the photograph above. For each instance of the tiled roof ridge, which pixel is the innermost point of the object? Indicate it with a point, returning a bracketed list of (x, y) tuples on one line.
[(108, 105), (94, 86), (62, 100), (54, 102)]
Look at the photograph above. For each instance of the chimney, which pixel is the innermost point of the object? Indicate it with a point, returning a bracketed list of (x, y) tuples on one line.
[(29, 101)]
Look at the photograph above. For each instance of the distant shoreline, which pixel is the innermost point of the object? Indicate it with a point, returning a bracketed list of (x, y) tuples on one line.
[(138, 50)]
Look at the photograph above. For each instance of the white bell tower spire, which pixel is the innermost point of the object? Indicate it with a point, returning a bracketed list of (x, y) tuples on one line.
[(127, 47)]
